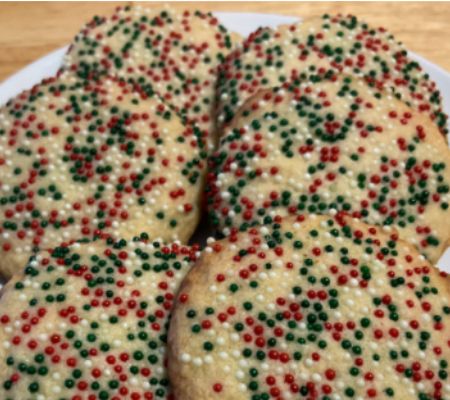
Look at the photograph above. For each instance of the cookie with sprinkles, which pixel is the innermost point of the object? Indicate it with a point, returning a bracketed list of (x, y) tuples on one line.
[(89, 321), (330, 144), (311, 307), (82, 159), (331, 43), (173, 53)]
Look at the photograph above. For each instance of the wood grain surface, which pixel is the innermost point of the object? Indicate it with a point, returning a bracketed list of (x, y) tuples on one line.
[(29, 30)]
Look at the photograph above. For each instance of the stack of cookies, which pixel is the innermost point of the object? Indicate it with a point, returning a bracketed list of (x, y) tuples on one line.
[(316, 153)]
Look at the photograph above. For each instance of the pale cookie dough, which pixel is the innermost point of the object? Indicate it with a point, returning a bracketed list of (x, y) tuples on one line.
[(315, 308), (330, 43), (90, 321), (173, 53), (334, 144), (85, 159)]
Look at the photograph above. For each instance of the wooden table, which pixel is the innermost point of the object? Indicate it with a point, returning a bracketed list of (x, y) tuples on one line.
[(30, 30)]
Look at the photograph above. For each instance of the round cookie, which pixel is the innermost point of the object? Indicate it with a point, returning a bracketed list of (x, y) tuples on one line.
[(334, 144), (89, 321), (329, 43), (173, 53), (311, 307), (83, 159)]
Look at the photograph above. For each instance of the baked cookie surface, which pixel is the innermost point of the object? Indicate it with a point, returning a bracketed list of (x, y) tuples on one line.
[(311, 307), (334, 143), (89, 321), (341, 44), (85, 159), (170, 52)]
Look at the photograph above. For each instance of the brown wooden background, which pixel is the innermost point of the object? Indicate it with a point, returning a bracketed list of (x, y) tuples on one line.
[(30, 30)]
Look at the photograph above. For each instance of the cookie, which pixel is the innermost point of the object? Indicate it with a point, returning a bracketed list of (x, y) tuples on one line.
[(334, 144), (84, 159), (331, 43), (173, 53), (311, 307), (89, 321)]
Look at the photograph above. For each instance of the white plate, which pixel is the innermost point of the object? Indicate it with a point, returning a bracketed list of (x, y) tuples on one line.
[(243, 23)]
